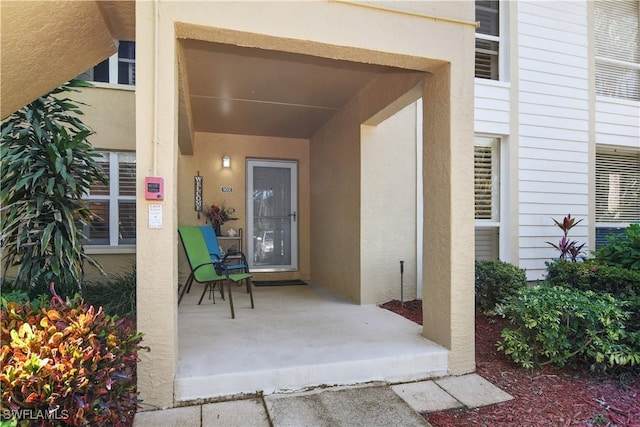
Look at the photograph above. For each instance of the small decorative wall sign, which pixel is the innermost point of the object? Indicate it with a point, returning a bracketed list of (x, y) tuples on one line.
[(197, 189)]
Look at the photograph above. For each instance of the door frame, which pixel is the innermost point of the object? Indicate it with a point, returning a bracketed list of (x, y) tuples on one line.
[(292, 165)]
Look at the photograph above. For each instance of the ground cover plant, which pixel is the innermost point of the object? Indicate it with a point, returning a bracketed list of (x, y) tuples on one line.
[(67, 363), (562, 326)]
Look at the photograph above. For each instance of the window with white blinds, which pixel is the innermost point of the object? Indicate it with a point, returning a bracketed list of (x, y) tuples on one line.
[(617, 48), (617, 186), (488, 39), (487, 197), (113, 206), (486, 178)]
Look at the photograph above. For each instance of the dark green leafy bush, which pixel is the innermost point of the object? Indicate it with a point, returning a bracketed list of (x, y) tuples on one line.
[(562, 326), (47, 167), (71, 358), (589, 276), (116, 295), (495, 281), (623, 283), (622, 250)]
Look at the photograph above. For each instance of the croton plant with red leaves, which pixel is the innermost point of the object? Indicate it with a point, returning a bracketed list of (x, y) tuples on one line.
[(67, 364)]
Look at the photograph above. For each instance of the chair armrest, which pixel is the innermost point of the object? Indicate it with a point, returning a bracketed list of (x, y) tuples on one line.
[(229, 257), (218, 266)]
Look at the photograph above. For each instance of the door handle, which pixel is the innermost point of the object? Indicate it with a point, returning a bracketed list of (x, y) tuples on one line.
[(293, 215)]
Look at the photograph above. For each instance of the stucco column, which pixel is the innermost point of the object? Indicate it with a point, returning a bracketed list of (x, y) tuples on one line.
[(156, 155), (448, 273)]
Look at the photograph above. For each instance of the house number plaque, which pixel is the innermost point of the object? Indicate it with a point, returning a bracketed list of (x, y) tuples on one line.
[(226, 189)]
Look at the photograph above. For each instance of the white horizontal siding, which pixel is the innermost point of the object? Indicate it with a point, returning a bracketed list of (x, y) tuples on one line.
[(553, 124), (548, 179), (542, 153), (552, 100), (552, 89), (544, 12), (543, 137), (545, 165), (617, 122), (560, 187), (492, 107), (558, 47), (545, 142)]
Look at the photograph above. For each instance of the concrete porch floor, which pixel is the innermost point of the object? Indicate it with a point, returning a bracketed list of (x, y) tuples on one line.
[(296, 337)]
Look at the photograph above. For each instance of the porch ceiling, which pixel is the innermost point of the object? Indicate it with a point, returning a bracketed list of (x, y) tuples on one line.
[(251, 91)]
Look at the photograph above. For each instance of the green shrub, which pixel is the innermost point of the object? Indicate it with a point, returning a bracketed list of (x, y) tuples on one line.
[(47, 168), (622, 250), (69, 358), (116, 295), (21, 297), (495, 281), (562, 326), (589, 276)]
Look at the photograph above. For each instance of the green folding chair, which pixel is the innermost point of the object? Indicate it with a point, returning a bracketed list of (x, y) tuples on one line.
[(203, 270)]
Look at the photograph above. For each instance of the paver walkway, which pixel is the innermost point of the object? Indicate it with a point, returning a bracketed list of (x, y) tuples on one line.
[(364, 405)]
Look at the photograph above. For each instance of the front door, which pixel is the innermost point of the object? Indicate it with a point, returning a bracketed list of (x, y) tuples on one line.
[(272, 215)]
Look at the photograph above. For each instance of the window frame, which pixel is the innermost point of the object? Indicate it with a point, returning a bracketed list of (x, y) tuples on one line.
[(114, 62), (501, 39), (606, 83), (612, 151), (498, 192), (114, 198)]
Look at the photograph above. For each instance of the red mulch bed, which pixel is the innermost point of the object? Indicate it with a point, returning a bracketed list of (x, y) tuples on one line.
[(545, 397)]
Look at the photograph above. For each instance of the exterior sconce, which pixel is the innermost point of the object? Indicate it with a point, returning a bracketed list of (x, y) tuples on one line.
[(226, 162)]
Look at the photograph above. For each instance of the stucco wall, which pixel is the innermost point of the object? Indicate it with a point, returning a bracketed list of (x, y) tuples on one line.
[(388, 198), (113, 265), (110, 112), (207, 158), (336, 185)]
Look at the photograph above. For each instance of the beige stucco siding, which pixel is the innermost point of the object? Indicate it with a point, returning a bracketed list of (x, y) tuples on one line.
[(388, 217), (336, 182), (109, 111), (448, 285)]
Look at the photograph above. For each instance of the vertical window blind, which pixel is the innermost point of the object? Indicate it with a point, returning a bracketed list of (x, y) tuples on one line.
[(617, 186), (487, 197), (486, 179)]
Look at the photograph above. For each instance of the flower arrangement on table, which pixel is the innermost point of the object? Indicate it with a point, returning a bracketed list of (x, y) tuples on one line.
[(218, 214)]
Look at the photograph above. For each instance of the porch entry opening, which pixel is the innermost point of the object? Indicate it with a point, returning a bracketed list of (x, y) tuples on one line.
[(272, 210)]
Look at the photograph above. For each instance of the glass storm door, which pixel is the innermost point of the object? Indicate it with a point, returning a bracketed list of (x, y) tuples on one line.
[(272, 189)]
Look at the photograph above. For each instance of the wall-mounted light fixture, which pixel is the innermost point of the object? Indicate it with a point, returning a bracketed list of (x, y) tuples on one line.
[(226, 162)]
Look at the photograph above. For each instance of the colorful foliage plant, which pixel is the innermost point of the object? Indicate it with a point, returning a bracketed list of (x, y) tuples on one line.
[(67, 364)]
